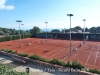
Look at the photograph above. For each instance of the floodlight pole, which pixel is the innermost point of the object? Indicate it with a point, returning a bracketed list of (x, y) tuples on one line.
[(19, 30), (70, 31), (46, 29), (84, 30), (22, 30)]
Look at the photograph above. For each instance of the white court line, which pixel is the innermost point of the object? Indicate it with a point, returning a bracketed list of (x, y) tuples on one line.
[(65, 57), (36, 48), (92, 65), (89, 55), (68, 54), (96, 56), (44, 48), (55, 51), (75, 54), (53, 41)]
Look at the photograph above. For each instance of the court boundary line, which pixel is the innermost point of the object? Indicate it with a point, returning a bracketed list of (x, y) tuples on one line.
[(56, 50), (67, 54), (96, 57), (53, 51), (72, 53), (30, 49), (89, 56), (92, 65)]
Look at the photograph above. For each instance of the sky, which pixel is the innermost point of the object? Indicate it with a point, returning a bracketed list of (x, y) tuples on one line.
[(36, 12)]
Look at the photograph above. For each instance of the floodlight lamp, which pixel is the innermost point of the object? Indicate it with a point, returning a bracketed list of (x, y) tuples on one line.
[(46, 22), (70, 15), (84, 19), (18, 21)]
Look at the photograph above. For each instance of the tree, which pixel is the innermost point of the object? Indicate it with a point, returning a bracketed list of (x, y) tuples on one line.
[(86, 29), (7, 32), (55, 31), (92, 30), (78, 28), (35, 30), (73, 29), (27, 32)]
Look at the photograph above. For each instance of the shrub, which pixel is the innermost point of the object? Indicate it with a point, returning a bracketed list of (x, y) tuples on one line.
[(14, 37), (55, 61), (13, 52), (94, 71), (68, 64), (24, 55), (8, 51), (36, 57), (1, 49), (76, 65)]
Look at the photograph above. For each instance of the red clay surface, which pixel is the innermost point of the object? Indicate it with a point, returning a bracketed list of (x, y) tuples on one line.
[(59, 49), (89, 57)]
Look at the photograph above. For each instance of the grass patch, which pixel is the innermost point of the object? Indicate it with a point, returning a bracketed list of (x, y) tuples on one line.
[(10, 51), (7, 70), (2, 49), (76, 65), (94, 71), (24, 55), (68, 64), (55, 61), (36, 57)]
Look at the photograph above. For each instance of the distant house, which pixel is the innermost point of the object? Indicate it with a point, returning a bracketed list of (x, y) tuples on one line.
[(72, 32), (79, 31), (92, 30), (64, 31), (98, 30), (55, 31), (87, 32)]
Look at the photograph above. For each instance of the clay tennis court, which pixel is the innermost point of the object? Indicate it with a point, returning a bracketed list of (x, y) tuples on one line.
[(88, 54)]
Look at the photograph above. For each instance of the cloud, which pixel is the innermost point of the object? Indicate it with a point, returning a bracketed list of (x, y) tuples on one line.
[(3, 6)]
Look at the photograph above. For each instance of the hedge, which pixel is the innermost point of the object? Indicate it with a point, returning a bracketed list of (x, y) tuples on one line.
[(75, 64), (36, 57), (24, 55), (55, 61), (68, 64), (94, 71), (9, 51), (14, 37)]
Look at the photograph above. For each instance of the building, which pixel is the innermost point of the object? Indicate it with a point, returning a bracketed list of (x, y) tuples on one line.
[(79, 31), (98, 30), (55, 31), (64, 31), (92, 30)]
